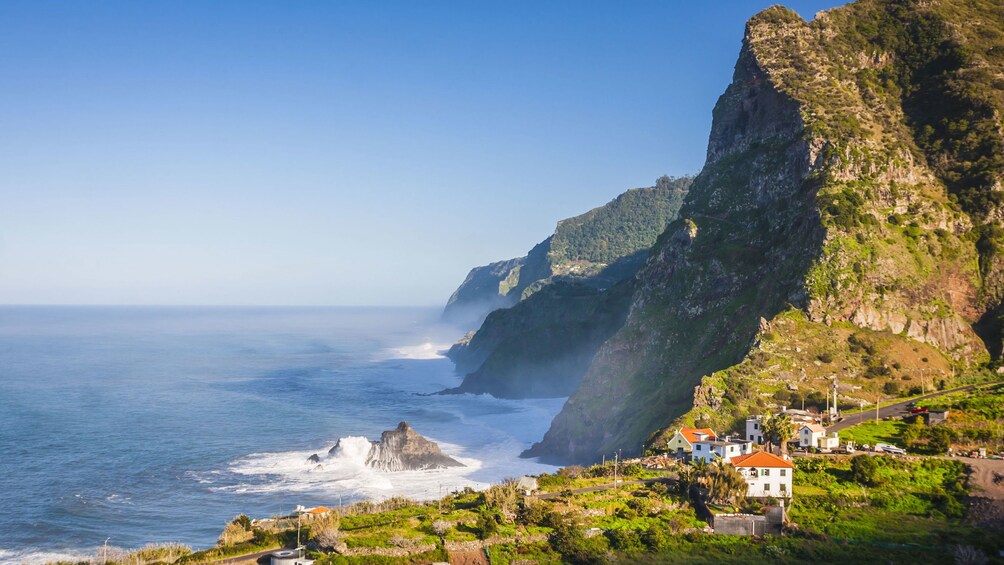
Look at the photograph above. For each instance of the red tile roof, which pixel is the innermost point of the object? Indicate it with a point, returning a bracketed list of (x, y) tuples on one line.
[(689, 433), (760, 459)]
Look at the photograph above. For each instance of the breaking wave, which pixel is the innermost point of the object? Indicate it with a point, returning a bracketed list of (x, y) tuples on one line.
[(427, 350), (344, 472)]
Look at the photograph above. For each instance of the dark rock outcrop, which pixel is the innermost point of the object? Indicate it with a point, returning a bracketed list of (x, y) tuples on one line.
[(404, 449)]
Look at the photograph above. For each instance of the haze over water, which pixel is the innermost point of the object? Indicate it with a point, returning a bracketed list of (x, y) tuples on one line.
[(160, 424)]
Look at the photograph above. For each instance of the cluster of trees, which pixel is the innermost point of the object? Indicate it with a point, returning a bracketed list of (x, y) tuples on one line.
[(630, 223)]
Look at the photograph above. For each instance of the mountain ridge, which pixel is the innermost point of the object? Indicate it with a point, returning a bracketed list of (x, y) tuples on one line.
[(817, 208)]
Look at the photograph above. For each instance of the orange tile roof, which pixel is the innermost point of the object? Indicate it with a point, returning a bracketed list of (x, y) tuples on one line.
[(760, 459), (318, 510), (689, 433)]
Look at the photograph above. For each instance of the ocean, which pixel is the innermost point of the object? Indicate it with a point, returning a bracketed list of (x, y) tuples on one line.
[(160, 424)]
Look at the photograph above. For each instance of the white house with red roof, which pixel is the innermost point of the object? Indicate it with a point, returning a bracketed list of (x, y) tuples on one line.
[(684, 439), (766, 474), (708, 450)]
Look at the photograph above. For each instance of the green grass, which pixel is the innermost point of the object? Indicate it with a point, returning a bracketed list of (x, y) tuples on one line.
[(871, 432)]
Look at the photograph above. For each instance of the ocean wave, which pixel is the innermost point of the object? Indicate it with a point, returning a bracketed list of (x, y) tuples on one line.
[(345, 473), (30, 556), (427, 350)]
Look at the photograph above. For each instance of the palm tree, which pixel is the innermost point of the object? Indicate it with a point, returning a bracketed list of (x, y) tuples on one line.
[(725, 483), (777, 431)]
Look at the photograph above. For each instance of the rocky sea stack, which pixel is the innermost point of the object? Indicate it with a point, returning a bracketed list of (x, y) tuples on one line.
[(403, 449)]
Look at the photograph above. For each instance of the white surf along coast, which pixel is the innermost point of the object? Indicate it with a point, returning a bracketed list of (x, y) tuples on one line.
[(342, 470), (421, 351)]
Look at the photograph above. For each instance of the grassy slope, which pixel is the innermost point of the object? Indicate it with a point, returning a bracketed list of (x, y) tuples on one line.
[(911, 515)]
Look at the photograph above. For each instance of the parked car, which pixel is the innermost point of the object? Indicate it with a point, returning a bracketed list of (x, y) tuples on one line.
[(887, 448), (918, 410)]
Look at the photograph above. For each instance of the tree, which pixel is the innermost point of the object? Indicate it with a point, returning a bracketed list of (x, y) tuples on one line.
[(503, 498), (777, 431), (864, 470), (487, 524), (725, 483)]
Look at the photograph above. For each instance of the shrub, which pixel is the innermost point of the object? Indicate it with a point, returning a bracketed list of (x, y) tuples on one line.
[(486, 525), (441, 528), (531, 514), (864, 470), (234, 533), (655, 538), (626, 540), (325, 530)]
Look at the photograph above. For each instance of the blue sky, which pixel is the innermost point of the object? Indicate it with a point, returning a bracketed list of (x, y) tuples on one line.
[(356, 153)]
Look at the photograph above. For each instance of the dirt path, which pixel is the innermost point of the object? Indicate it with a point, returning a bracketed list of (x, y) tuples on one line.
[(468, 558), (982, 477)]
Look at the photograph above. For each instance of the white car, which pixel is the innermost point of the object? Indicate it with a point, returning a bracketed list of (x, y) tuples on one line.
[(890, 449)]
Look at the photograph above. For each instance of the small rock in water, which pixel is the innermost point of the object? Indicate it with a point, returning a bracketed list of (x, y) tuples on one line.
[(314, 458)]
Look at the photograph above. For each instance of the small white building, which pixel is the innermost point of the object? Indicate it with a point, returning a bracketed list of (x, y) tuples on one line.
[(709, 450), (766, 474), (809, 434), (754, 429), (527, 485), (684, 438), (828, 442)]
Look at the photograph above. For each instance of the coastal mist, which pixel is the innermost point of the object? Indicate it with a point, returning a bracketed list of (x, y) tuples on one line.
[(151, 425)]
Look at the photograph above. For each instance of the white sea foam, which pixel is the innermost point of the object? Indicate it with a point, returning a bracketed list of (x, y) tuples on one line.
[(345, 473), (31, 557), (427, 350)]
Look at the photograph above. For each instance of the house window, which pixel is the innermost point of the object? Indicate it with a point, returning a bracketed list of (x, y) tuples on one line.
[(751, 437), (784, 487), (731, 448), (784, 472), (765, 473), (766, 487), (697, 447), (756, 426)]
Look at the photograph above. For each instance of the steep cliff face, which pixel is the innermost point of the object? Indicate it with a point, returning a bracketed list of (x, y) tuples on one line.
[(826, 203), (541, 347), (598, 248)]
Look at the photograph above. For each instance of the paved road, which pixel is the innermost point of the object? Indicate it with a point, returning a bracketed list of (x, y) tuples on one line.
[(898, 409), (246, 558)]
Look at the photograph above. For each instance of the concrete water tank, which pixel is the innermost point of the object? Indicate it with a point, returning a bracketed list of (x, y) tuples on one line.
[(289, 557)]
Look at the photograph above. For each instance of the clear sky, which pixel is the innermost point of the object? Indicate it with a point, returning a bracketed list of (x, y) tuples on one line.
[(348, 152)]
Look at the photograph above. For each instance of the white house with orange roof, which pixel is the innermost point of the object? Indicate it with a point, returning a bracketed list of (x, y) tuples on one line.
[(684, 439), (708, 450), (766, 474)]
